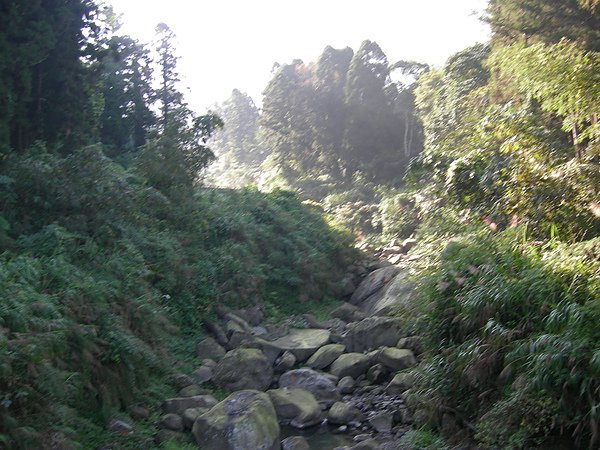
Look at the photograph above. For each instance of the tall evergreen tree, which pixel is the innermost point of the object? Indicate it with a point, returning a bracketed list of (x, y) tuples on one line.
[(48, 83), (175, 157), (372, 139), (127, 76)]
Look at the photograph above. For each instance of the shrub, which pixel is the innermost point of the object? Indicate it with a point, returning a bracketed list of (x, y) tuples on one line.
[(511, 334)]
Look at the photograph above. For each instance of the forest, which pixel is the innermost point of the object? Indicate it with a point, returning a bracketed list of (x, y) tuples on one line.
[(127, 220)]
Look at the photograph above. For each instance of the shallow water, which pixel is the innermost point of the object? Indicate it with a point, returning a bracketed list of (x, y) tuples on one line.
[(320, 437)]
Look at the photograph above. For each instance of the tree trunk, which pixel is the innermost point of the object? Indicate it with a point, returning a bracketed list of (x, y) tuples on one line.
[(576, 146)]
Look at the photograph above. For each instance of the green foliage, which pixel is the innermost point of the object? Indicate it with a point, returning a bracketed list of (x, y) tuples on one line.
[(236, 146), (496, 156), (47, 90), (109, 274), (126, 117), (329, 123), (562, 77), (510, 325), (399, 216), (422, 439)]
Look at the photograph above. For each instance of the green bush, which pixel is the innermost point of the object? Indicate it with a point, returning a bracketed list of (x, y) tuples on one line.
[(513, 344), (105, 281)]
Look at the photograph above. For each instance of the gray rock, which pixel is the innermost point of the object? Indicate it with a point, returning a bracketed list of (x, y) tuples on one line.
[(285, 362), (348, 313), (346, 385), (317, 383), (259, 331), (180, 404), (181, 380), (253, 315), (414, 343), (373, 283), (243, 368), (400, 292), (371, 333), (350, 364), (326, 355), (377, 373), (190, 415), (232, 327), (397, 358), (361, 437), (202, 374), (171, 422), (138, 412), (344, 414), (119, 426), (244, 420), (242, 339), (301, 342), (242, 325), (192, 391), (217, 332), (207, 362), (400, 383), (295, 443), (295, 406), (382, 422), (208, 348), (347, 287), (312, 322)]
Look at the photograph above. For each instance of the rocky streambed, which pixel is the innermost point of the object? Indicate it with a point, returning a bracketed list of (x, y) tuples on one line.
[(304, 383)]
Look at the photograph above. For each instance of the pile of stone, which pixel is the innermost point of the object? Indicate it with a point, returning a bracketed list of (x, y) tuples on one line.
[(347, 373)]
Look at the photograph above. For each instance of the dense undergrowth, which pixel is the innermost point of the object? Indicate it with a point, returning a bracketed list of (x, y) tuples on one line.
[(511, 329), (104, 279)]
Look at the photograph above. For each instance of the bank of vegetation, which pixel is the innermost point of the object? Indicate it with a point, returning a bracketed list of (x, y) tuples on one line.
[(113, 250)]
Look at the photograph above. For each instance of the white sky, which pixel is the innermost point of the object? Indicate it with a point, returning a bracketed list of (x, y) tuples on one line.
[(227, 44)]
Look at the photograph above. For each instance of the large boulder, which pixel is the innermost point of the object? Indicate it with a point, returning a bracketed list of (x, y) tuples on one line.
[(346, 385), (171, 422), (400, 383), (343, 414), (373, 283), (302, 343), (327, 354), (371, 333), (317, 383), (350, 365), (243, 368), (244, 420), (348, 313), (397, 358), (295, 406), (208, 348), (395, 290), (382, 422)]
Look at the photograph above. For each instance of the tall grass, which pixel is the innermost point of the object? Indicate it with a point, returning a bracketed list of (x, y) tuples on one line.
[(513, 339)]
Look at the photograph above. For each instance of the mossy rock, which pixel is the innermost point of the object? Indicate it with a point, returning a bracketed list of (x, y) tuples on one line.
[(243, 368), (244, 420)]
